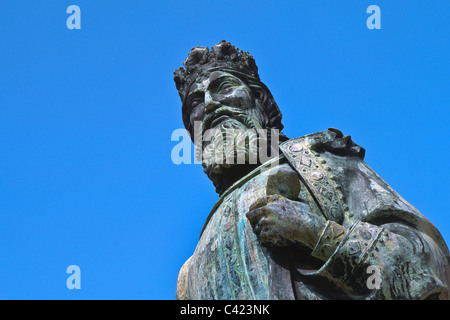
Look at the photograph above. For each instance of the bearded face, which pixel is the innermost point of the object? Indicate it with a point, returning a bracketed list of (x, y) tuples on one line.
[(228, 124)]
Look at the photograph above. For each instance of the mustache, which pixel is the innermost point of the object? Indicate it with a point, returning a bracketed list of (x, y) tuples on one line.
[(227, 113)]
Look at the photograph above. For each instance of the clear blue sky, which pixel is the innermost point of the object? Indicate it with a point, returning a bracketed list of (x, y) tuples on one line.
[(86, 118)]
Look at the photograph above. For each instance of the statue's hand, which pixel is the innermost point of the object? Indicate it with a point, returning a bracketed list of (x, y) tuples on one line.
[(278, 221)]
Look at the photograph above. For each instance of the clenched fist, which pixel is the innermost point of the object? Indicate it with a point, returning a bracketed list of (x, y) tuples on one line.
[(278, 221)]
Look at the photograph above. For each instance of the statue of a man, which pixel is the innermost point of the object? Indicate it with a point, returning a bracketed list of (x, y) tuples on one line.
[(310, 220)]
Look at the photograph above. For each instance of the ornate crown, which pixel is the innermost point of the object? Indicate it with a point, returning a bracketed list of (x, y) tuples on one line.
[(201, 62)]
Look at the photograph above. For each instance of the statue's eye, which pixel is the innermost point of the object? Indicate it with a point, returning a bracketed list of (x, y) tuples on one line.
[(195, 102), (225, 87)]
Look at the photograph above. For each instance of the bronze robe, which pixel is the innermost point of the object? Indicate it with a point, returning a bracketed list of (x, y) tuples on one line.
[(329, 177)]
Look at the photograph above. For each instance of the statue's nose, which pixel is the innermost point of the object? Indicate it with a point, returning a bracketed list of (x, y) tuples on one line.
[(210, 103)]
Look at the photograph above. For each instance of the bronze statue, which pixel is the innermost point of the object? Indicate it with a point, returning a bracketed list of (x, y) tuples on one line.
[(311, 220)]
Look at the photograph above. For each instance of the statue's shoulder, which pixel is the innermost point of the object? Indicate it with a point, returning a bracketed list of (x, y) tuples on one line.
[(331, 140)]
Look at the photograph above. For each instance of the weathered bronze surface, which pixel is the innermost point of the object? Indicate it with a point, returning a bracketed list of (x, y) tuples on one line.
[(312, 222)]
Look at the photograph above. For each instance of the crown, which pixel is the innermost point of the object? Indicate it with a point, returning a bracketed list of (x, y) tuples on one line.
[(200, 62)]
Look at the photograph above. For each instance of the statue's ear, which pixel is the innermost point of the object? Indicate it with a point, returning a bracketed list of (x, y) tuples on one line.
[(260, 94), (261, 98)]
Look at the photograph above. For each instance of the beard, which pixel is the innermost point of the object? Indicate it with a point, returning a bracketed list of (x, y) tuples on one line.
[(233, 148)]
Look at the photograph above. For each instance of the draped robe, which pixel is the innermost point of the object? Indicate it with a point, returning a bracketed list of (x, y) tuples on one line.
[(325, 172)]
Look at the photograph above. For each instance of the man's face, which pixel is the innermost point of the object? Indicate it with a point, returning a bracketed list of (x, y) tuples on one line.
[(223, 100), (229, 127)]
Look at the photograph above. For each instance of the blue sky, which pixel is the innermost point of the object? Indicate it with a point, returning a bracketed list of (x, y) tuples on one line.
[(86, 118)]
